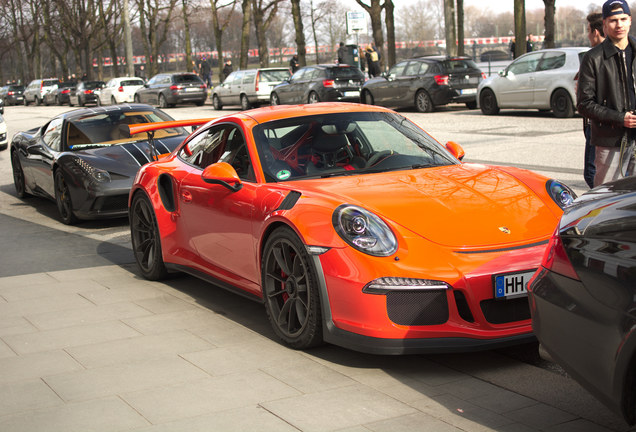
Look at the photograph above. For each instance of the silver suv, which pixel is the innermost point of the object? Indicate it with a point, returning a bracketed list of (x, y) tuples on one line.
[(249, 87), (36, 90)]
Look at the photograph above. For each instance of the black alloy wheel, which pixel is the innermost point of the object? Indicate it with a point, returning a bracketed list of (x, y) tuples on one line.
[(313, 98), (63, 199), (162, 101), (18, 175), (146, 240), (290, 290)]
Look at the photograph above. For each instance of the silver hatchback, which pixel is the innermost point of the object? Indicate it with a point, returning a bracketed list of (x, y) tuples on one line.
[(543, 80), (249, 87)]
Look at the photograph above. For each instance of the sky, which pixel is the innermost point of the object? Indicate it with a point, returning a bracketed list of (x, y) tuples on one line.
[(498, 5)]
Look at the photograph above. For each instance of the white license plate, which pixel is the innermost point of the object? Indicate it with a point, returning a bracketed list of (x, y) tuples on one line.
[(468, 91), (191, 89), (512, 284), (352, 94)]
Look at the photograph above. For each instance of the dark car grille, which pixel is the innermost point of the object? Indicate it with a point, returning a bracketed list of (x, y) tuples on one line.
[(112, 203), (417, 308), (505, 311)]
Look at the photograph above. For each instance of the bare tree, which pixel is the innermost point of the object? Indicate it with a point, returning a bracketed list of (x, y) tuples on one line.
[(449, 21), (263, 13), (219, 24), (460, 27), (301, 49), (375, 12), (520, 27), (154, 20), (246, 7), (389, 21), (550, 10)]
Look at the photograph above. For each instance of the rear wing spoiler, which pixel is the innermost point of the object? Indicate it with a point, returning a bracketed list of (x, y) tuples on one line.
[(150, 128)]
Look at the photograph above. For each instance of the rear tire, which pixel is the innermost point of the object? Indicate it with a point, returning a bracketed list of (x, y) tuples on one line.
[(245, 103), (162, 101), (488, 102), (216, 103), (146, 239), (561, 104), (423, 102), (274, 99), (313, 98)]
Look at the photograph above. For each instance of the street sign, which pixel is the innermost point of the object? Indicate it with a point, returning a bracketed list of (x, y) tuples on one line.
[(356, 22)]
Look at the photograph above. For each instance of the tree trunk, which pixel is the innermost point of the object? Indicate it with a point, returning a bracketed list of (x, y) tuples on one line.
[(301, 49), (375, 12), (246, 6), (520, 27), (389, 20), (449, 27), (314, 30), (550, 12), (188, 42), (460, 28)]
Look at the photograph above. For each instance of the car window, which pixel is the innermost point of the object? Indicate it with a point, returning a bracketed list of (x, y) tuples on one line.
[(459, 65), (93, 84), (249, 77), (186, 79), (50, 82), (551, 60), (300, 73), (345, 73), (235, 153), (52, 136), (131, 82), (525, 64), (273, 75), (397, 70), (413, 68), (207, 147)]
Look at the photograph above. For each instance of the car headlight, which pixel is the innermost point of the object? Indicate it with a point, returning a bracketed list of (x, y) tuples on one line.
[(560, 193), (364, 231), (97, 174)]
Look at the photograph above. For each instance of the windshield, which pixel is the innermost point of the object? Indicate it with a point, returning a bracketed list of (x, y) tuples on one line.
[(343, 144), (345, 73), (186, 79), (274, 75), (102, 129)]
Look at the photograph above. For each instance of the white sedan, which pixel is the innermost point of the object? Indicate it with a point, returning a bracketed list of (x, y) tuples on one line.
[(119, 90), (543, 80)]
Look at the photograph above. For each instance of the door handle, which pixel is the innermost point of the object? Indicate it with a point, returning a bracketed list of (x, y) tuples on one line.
[(186, 196)]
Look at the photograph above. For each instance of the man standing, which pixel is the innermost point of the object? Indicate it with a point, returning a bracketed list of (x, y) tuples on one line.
[(595, 35), (606, 95), (293, 63)]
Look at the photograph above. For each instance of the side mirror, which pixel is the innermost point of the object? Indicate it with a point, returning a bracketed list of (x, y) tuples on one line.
[(503, 73), (455, 149), (223, 174)]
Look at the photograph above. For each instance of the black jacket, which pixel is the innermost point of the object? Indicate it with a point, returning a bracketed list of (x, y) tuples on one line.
[(602, 92)]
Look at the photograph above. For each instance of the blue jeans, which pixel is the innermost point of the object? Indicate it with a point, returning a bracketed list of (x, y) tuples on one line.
[(589, 170)]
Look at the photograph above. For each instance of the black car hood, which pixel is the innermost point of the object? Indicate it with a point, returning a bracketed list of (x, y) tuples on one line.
[(126, 159)]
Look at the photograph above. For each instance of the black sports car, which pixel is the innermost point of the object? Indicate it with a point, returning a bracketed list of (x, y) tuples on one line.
[(583, 299), (84, 160)]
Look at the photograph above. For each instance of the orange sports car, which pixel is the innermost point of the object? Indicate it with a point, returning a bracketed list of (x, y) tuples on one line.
[(352, 225)]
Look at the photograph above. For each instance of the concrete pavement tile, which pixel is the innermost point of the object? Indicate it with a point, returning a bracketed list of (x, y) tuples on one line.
[(137, 349), (55, 303), (88, 315), (129, 292), (337, 408), (402, 388), (124, 280), (469, 388), (225, 332), (201, 397), (95, 273), (502, 401), (19, 292), (25, 396), (15, 325), (248, 419), (14, 369), (50, 340), (412, 423), (5, 351), (123, 378), (165, 303), (161, 323), (27, 280), (354, 429), (308, 376), (104, 415), (579, 425), (461, 413), (540, 416)]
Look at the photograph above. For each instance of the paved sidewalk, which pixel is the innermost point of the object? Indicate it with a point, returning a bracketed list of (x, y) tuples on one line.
[(101, 349)]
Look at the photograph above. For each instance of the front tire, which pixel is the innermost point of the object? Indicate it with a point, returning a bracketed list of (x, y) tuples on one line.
[(162, 101), (561, 104), (137, 99), (488, 102), (146, 240), (63, 199), (423, 102), (245, 103), (18, 176), (290, 290), (216, 103), (274, 99), (313, 98)]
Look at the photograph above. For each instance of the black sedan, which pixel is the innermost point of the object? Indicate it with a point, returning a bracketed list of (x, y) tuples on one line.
[(320, 83), (583, 299), (84, 161), (85, 92), (169, 89), (12, 94), (425, 82)]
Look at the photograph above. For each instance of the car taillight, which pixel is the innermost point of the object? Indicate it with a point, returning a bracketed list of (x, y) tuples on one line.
[(441, 79), (176, 87), (88, 91), (483, 76), (65, 91), (203, 86), (10, 93), (328, 83), (258, 78), (120, 89), (556, 259)]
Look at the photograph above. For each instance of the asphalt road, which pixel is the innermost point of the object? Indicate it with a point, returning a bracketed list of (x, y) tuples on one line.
[(33, 240)]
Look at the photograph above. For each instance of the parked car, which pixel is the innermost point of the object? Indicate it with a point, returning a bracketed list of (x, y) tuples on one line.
[(35, 91), (85, 92), (81, 160), (320, 83), (425, 83), (170, 89), (542, 80), (348, 222), (60, 96), (12, 94), (247, 88), (119, 90), (3, 134), (583, 299)]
